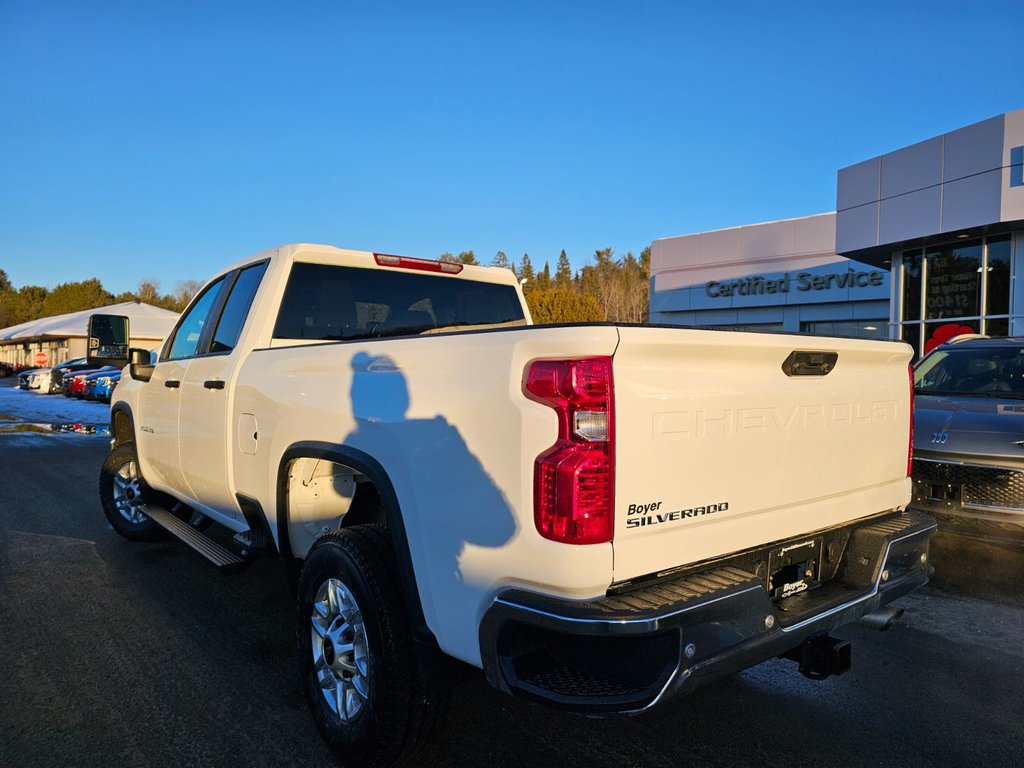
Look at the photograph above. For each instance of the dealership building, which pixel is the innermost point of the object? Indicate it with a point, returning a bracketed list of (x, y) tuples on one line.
[(926, 241), (53, 340)]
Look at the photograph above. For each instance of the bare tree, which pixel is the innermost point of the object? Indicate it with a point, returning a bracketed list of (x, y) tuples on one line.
[(148, 290), (184, 291)]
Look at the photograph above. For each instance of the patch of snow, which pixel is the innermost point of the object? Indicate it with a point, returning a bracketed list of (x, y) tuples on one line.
[(20, 405)]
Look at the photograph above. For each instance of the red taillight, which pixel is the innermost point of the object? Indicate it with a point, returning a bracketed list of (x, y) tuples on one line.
[(573, 481), (408, 262), (910, 447)]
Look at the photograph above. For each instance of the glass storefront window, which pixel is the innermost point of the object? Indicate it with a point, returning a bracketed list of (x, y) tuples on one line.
[(912, 285), (759, 327), (756, 327), (997, 302), (963, 286), (857, 329), (953, 282), (912, 335), (997, 326)]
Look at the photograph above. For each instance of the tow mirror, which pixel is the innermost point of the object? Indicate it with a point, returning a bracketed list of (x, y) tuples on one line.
[(140, 364), (108, 340)]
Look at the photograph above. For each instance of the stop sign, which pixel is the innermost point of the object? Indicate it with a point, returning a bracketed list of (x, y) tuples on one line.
[(41, 358)]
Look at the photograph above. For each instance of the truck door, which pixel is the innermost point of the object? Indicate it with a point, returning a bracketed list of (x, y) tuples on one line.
[(206, 394), (160, 398)]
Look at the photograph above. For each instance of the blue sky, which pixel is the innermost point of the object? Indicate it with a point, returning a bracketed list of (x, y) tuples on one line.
[(165, 140)]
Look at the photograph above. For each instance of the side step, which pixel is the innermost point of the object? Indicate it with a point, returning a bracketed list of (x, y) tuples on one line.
[(224, 559)]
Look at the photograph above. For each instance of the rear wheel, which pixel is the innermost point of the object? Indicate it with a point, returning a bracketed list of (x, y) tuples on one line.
[(370, 700), (123, 493)]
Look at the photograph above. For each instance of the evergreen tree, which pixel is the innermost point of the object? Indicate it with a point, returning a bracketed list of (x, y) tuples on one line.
[(563, 305), (28, 304), (501, 260), (544, 278), (72, 297), (8, 299), (526, 270), (563, 272), (468, 257)]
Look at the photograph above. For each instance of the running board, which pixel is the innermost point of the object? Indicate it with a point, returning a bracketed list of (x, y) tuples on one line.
[(224, 559)]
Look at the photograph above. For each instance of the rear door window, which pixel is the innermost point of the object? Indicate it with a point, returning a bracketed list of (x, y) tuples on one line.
[(236, 308), (332, 303)]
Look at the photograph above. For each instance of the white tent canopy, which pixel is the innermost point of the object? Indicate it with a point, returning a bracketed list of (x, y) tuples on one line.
[(147, 322)]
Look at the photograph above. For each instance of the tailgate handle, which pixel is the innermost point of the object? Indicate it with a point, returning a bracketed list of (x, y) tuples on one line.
[(807, 363)]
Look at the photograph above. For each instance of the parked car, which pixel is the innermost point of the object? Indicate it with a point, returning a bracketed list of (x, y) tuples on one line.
[(969, 430), (36, 379), (74, 382), (98, 386), (6, 370), (65, 383), (60, 371)]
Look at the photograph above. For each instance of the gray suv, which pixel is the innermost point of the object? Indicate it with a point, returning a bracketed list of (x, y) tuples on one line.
[(969, 430)]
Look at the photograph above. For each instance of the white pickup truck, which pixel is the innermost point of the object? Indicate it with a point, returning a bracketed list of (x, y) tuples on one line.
[(599, 516)]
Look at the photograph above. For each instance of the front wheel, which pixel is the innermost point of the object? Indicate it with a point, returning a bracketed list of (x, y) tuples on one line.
[(370, 700), (123, 493)]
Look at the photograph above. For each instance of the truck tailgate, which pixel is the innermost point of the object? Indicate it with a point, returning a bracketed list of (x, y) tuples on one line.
[(719, 450)]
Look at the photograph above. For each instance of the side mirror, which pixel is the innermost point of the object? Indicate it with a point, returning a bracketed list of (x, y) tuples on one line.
[(140, 364), (108, 340)]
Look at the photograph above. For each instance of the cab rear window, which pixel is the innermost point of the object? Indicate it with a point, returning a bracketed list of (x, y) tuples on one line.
[(331, 303)]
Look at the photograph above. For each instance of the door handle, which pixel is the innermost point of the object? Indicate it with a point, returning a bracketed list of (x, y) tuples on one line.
[(213, 384), (172, 384)]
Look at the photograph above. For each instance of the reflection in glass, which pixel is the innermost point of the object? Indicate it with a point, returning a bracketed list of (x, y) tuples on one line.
[(236, 308), (998, 300), (912, 285), (756, 327), (977, 371), (997, 326), (954, 280), (911, 334), (856, 329), (190, 327)]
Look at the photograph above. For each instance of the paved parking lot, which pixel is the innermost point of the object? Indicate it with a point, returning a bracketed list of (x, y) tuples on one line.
[(114, 653)]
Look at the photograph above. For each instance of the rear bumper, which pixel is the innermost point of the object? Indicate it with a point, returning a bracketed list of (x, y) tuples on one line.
[(635, 649)]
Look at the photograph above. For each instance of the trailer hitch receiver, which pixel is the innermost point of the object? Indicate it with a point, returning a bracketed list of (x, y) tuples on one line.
[(821, 657)]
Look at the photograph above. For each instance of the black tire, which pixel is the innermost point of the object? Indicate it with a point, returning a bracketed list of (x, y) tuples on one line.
[(400, 707), (118, 509)]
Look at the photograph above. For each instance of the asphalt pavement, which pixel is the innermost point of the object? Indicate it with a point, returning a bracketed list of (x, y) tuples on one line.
[(126, 654)]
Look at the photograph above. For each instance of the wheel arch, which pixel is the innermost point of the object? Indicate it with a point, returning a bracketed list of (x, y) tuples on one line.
[(378, 476), (122, 424)]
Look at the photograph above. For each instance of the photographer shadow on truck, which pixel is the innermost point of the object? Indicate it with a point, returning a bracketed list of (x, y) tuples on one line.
[(374, 695), (431, 467)]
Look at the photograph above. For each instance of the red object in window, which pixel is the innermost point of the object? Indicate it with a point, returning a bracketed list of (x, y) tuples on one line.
[(573, 481), (944, 333)]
